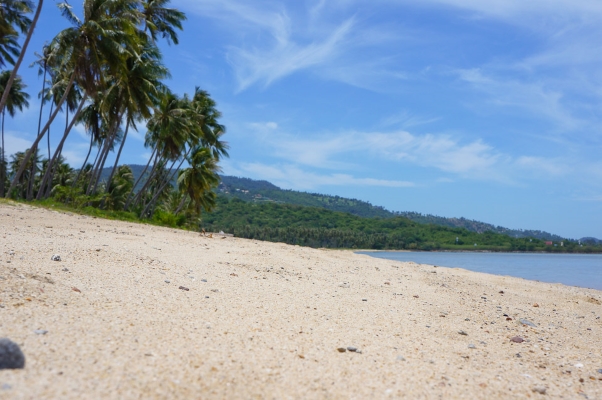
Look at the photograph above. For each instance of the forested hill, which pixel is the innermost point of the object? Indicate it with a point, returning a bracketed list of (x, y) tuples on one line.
[(262, 191)]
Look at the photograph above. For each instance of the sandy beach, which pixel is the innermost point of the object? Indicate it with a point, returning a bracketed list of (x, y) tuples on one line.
[(138, 311)]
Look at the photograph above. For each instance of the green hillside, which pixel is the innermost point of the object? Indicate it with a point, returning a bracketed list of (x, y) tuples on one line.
[(319, 227)]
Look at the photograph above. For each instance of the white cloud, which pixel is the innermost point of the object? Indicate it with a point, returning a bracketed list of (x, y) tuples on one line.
[(270, 43), (534, 98), (292, 177), (285, 57), (14, 142), (473, 159)]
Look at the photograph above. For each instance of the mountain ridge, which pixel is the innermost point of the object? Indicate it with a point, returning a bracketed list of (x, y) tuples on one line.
[(253, 190)]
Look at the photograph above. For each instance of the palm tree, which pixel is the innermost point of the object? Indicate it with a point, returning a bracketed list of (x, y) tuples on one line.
[(199, 179), (168, 129), (13, 12), (118, 188), (93, 122), (73, 103), (17, 159), (16, 100), (161, 20), (94, 47), (140, 89)]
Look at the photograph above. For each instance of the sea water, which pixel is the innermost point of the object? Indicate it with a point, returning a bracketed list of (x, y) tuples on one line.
[(584, 270)]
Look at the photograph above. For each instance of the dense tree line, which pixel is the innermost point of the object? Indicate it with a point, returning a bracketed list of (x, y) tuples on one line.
[(263, 191), (105, 72), (319, 227)]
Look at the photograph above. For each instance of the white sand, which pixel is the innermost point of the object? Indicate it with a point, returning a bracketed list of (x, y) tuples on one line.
[(269, 319)]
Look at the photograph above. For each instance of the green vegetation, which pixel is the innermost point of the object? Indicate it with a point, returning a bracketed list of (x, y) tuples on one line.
[(105, 72), (319, 227), (262, 191)]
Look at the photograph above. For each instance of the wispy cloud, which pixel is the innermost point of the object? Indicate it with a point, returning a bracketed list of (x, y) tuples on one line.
[(451, 155), (533, 97), (14, 142), (269, 42), (293, 177)]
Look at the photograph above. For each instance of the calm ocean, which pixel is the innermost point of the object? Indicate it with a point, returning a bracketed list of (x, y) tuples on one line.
[(584, 270)]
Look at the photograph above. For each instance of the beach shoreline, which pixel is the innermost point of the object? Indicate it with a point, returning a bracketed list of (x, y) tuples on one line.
[(135, 310)]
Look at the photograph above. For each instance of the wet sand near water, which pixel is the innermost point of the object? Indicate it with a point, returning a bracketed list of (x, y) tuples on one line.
[(138, 311)]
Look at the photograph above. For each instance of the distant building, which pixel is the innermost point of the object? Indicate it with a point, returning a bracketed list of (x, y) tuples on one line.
[(548, 243)]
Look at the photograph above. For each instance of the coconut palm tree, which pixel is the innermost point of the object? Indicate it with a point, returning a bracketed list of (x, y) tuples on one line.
[(16, 100), (158, 19), (167, 131), (92, 49), (118, 188), (17, 159), (139, 91), (13, 13), (200, 178)]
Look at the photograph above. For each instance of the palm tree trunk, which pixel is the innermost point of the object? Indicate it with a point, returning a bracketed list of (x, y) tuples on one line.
[(125, 135), (34, 166), (139, 179), (49, 115), (85, 161), (2, 171), (138, 197), (146, 209), (48, 176), (105, 154), (13, 74), (34, 146), (181, 205)]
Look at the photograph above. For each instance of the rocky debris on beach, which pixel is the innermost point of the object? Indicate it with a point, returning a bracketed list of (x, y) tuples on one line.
[(11, 356), (527, 322), (539, 389), (517, 339), (55, 257)]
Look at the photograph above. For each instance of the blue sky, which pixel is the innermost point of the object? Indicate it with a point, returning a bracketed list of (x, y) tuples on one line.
[(489, 110)]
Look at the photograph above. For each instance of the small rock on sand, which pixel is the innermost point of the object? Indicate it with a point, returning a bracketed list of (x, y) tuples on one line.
[(527, 322), (517, 339), (55, 257), (11, 356), (539, 389)]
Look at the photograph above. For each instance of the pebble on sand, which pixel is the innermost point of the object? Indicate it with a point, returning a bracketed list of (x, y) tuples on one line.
[(55, 257), (527, 322), (341, 349), (539, 389), (40, 331), (11, 356), (517, 339)]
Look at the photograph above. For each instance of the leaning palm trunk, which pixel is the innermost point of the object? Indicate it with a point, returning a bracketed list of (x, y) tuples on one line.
[(2, 170), (136, 197), (103, 158), (165, 183), (34, 146), (46, 184), (125, 135), (13, 74), (181, 205), (48, 176), (34, 166), (85, 162)]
